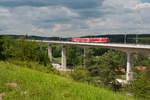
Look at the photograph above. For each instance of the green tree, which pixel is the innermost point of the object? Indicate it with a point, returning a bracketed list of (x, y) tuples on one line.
[(88, 57), (22, 49), (80, 74), (7, 45), (56, 50), (74, 55), (141, 85), (108, 63), (99, 51), (26, 50), (141, 59), (43, 58)]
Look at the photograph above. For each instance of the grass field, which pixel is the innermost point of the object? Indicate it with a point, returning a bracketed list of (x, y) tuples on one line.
[(57, 59), (28, 84)]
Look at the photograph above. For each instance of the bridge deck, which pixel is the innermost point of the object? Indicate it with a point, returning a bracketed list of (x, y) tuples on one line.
[(106, 45)]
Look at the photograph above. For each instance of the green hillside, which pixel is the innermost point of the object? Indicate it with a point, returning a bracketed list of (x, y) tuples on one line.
[(17, 83)]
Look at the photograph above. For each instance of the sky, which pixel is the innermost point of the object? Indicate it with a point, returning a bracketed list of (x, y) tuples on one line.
[(66, 18), (145, 0)]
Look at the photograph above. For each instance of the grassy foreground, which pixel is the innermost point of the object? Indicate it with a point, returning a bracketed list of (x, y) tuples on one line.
[(33, 85)]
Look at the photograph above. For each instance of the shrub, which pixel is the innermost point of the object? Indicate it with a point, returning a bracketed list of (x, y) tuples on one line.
[(43, 58), (34, 66), (22, 50), (81, 75), (141, 85), (108, 63)]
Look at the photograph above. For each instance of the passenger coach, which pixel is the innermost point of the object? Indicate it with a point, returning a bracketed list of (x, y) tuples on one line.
[(95, 40)]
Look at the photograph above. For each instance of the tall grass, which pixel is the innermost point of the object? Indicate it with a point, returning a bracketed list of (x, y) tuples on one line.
[(35, 85)]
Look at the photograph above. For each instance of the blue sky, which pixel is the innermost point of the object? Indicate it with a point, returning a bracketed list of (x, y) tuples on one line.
[(74, 17), (145, 0)]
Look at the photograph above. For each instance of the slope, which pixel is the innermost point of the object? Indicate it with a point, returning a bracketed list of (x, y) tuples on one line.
[(18, 83)]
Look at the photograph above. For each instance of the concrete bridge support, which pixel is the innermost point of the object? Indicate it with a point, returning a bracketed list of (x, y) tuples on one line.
[(129, 73), (50, 52), (63, 58), (84, 56), (41, 47)]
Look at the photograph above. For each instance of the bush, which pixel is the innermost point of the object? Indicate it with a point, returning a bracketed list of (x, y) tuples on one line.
[(80, 75), (56, 50), (74, 57), (108, 63), (34, 66), (43, 58), (141, 85), (22, 50), (6, 47)]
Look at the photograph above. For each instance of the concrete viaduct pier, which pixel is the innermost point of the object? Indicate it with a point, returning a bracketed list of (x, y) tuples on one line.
[(129, 49), (63, 54), (63, 58), (50, 52), (129, 73)]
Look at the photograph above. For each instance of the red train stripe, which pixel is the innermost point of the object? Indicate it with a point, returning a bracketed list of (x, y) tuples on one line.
[(102, 40)]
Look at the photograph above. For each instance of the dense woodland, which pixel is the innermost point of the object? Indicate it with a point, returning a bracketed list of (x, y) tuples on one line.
[(96, 66)]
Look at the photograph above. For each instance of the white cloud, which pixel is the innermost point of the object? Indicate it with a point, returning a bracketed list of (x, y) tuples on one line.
[(38, 30), (69, 12), (4, 12), (111, 16), (121, 17), (60, 27), (57, 30), (121, 3), (44, 12), (142, 5)]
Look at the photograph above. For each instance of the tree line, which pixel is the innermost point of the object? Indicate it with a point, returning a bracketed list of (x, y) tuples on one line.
[(22, 50)]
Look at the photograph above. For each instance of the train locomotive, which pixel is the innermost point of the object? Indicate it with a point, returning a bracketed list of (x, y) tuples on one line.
[(93, 40)]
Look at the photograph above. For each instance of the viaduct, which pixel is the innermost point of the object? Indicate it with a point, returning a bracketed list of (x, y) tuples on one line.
[(129, 49)]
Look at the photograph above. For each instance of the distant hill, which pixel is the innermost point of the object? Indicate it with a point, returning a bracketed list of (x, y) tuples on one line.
[(116, 38)]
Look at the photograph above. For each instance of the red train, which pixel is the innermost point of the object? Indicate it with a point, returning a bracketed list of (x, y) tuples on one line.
[(96, 40)]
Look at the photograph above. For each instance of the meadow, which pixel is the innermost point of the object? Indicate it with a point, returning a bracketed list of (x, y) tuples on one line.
[(18, 83)]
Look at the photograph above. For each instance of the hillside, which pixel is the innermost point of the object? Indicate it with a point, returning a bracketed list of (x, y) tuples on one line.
[(18, 83)]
